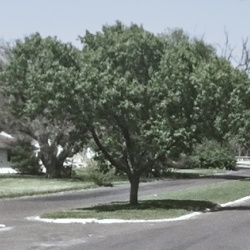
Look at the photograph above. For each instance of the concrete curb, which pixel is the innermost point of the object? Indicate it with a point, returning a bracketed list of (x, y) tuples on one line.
[(241, 200), (111, 221)]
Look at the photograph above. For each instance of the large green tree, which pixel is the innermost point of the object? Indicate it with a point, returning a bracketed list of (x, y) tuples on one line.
[(123, 99), (196, 89), (147, 98), (39, 81)]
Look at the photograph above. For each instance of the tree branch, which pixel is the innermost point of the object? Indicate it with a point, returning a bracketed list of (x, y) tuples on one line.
[(105, 152)]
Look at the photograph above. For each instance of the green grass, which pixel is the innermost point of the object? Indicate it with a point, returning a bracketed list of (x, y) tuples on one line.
[(19, 186), (148, 209), (167, 205), (216, 193)]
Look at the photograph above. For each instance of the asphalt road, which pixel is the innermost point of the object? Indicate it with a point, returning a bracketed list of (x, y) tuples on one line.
[(227, 229)]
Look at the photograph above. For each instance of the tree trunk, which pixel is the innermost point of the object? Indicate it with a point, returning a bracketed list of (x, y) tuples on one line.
[(50, 172), (51, 166), (53, 162), (134, 188)]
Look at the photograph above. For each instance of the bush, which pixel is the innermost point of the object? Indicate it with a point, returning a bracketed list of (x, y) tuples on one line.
[(24, 160), (211, 154), (99, 175)]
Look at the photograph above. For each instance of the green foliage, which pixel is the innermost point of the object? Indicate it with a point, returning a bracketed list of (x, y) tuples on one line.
[(24, 159), (119, 107), (196, 87), (40, 76), (143, 98), (152, 97), (39, 82), (120, 64), (98, 175), (239, 119), (211, 154)]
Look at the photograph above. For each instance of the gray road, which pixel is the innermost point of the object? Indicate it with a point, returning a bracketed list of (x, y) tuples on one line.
[(228, 229)]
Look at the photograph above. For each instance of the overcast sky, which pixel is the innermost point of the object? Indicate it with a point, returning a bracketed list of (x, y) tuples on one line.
[(67, 19)]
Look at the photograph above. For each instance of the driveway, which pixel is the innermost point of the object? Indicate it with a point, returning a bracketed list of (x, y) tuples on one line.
[(204, 232)]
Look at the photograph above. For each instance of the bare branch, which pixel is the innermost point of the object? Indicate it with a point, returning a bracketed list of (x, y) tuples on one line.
[(227, 50), (244, 63)]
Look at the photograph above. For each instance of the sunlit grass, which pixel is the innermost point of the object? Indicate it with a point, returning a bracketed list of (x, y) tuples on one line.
[(16, 187), (217, 193), (167, 205), (148, 209)]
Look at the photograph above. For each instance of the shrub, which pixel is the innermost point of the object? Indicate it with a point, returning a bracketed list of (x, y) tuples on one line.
[(24, 160), (211, 154), (99, 175)]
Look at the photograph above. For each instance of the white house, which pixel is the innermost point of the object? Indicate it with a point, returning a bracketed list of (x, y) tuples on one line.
[(6, 143)]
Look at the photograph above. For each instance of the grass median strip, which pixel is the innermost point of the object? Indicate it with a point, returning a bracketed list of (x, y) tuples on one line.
[(167, 205)]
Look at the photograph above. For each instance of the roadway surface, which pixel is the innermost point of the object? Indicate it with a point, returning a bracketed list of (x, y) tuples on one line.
[(226, 229)]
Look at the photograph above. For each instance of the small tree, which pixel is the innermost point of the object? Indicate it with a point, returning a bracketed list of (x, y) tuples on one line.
[(24, 158), (119, 100)]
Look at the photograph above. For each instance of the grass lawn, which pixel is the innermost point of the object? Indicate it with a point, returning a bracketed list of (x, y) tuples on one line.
[(216, 193), (167, 205), (20, 186)]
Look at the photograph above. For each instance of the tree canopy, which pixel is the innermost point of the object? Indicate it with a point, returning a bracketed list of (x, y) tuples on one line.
[(142, 98), (39, 80), (119, 65), (151, 97)]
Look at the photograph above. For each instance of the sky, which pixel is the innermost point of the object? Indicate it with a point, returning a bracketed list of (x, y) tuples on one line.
[(68, 19)]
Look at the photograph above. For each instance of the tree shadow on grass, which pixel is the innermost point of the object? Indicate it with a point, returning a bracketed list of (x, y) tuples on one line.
[(232, 208), (189, 205)]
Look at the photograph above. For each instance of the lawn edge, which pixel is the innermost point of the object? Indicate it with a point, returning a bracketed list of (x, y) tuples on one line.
[(112, 221)]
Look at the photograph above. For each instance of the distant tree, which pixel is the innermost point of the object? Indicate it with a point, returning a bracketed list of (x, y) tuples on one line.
[(236, 126), (239, 118), (211, 154), (196, 90), (39, 81), (5, 53)]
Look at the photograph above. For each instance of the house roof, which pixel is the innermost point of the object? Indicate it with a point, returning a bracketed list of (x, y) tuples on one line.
[(6, 142)]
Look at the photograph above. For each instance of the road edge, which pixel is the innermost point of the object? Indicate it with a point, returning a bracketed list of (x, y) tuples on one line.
[(111, 221)]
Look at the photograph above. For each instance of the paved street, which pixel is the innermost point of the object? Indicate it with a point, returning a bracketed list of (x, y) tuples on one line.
[(228, 229)]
